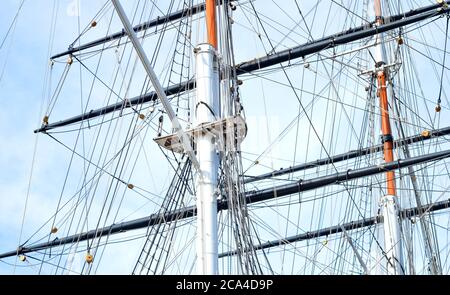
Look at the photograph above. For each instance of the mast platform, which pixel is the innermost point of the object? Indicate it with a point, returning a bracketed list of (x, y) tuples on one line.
[(231, 126)]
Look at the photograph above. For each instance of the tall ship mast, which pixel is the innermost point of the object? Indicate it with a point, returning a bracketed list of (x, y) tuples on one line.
[(245, 137)]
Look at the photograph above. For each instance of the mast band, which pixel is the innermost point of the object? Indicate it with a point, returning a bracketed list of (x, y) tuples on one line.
[(387, 138)]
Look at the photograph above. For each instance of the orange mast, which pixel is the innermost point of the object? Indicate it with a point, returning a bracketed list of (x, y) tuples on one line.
[(386, 130), (391, 223), (211, 22), (384, 107)]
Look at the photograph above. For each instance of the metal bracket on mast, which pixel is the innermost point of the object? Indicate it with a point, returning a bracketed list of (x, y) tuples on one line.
[(381, 68), (220, 129), (184, 139)]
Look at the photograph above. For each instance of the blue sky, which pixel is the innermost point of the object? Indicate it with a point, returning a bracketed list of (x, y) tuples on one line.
[(21, 94), (25, 57)]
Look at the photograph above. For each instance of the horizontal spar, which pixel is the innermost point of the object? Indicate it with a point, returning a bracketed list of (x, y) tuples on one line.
[(349, 155), (152, 96), (340, 177), (141, 27), (407, 213), (332, 41), (198, 9), (251, 197), (109, 230)]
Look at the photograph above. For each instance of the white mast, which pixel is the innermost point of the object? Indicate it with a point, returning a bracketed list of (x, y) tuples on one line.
[(207, 110)]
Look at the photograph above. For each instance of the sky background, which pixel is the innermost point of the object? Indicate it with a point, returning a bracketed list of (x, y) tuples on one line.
[(24, 60)]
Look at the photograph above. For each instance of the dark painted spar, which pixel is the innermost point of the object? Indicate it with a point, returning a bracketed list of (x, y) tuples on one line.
[(340, 177), (160, 20), (332, 41), (251, 197), (350, 155), (404, 214), (198, 9)]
